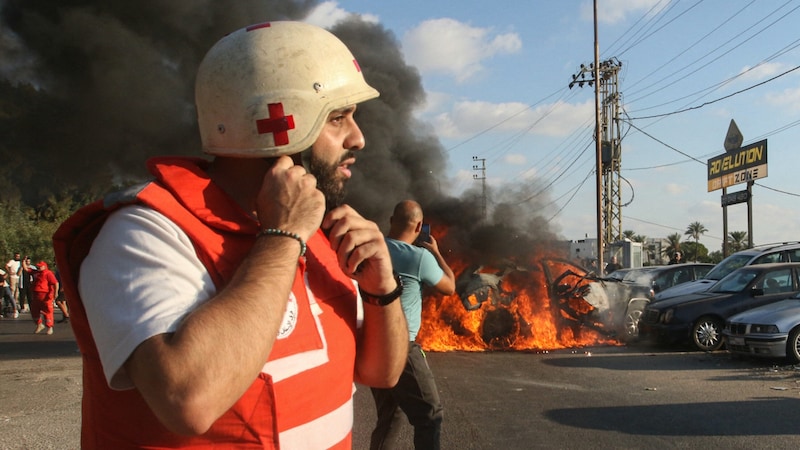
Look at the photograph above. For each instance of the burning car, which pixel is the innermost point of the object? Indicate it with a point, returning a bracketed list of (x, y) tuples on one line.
[(614, 306), (554, 304)]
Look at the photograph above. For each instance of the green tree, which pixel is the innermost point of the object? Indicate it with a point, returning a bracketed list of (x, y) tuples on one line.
[(699, 250), (695, 230), (715, 257), (628, 234), (30, 230), (737, 240)]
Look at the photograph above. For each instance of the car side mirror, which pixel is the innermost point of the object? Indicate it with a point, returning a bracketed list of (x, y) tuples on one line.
[(755, 292)]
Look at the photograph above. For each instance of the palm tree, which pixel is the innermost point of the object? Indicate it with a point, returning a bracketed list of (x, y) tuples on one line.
[(695, 229), (673, 244), (737, 240), (628, 234)]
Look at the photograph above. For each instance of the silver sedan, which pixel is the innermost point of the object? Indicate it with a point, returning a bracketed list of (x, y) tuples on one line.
[(770, 331)]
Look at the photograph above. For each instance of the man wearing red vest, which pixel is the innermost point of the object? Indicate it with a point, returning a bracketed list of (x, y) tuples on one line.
[(234, 302)]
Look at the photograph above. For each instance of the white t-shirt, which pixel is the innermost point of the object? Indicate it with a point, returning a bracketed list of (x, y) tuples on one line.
[(140, 279), (13, 268)]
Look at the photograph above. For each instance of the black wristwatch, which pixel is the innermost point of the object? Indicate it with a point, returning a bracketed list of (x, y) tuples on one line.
[(383, 300)]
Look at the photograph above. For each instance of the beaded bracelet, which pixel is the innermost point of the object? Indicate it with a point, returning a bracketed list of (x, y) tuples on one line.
[(279, 232)]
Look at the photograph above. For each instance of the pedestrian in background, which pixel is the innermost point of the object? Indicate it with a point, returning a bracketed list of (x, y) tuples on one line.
[(61, 299), (677, 258), (25, 273), (9, 303), (12, 275), (613, 266), (415, 394), (44, 289)]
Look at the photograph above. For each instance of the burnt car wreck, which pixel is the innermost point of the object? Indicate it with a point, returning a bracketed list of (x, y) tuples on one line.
[(577, 301)]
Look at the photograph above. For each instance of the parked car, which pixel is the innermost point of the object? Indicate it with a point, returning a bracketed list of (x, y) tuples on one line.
[(700, 317), (770, 331), (659, 278), (763, 254)]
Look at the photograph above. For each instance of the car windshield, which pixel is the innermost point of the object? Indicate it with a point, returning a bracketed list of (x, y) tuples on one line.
[(641, 276), (618, 274), (734, 282), (638, 275), (727, 266)]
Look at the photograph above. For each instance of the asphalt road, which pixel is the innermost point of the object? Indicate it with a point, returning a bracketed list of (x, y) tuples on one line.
[(636, 397)]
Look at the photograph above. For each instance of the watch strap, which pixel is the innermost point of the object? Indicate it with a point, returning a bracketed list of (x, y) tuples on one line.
[(385, 299)]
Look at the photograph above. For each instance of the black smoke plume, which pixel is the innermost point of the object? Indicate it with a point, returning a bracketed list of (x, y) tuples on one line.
[(89, 89)]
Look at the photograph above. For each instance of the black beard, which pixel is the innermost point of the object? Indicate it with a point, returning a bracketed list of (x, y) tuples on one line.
[(332, 187)]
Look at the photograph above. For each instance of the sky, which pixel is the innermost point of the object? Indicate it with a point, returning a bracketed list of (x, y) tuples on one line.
[(496, 78)]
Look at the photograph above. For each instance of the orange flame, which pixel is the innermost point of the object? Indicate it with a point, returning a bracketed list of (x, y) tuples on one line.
[(525, 321)]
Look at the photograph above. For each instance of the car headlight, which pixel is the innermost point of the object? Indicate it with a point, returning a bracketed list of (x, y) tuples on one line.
[(757, 328), (667, 317)]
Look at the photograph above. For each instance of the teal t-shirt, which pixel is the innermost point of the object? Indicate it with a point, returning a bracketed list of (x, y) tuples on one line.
[(416, 266)]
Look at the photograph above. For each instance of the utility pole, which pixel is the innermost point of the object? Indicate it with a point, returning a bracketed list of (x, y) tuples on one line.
[(481, 176), (608, 139)]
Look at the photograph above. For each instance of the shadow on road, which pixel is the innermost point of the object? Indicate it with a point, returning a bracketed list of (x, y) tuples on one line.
[(689, 419), (17, 341), (662, 359)]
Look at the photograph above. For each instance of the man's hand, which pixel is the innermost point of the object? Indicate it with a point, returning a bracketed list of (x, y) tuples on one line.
[(361, 250), (431, 245), (289, 199), (447, 285)]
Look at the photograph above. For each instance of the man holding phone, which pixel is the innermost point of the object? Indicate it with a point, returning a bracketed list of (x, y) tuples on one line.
[(418, 262)]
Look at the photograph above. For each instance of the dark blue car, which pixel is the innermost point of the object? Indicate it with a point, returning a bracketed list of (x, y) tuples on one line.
[(700, 317)]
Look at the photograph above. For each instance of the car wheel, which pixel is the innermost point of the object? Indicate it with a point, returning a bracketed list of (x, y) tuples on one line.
[(707, 334), (793, 346), (632, 323)]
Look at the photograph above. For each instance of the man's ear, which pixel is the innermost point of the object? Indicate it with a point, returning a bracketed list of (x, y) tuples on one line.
[(418, 227)]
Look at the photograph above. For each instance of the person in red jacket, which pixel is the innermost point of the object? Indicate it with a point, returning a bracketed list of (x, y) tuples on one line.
[(233, 303), (44, 288)]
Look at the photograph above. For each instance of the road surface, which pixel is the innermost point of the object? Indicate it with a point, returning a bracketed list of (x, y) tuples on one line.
[(614, 397)]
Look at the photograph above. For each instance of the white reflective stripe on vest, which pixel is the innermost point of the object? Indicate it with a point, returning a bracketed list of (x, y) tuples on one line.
[(323, 432), (283, 368)]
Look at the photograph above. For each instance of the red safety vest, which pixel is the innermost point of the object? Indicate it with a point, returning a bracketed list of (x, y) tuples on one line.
[(309, 373)]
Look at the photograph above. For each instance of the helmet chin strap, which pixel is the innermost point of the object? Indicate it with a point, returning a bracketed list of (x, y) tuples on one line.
[(303, 159)]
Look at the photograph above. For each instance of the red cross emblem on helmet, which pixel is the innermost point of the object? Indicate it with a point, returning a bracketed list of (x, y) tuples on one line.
[(277, 123)]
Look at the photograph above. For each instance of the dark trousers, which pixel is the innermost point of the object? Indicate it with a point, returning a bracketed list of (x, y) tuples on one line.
[(25, 297), (416, 396)]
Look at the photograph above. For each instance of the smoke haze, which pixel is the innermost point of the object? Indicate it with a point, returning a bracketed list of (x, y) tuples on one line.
[(89, 89)]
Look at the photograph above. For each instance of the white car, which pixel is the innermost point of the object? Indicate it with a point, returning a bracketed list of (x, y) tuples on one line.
[(770, 331)]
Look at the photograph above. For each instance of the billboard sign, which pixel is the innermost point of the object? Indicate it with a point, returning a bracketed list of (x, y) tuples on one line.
[(748, 163)]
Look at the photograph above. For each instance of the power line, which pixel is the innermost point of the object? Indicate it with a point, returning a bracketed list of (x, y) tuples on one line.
[(716, 100), (653, 20), (661, 27), (667, 145), (754, 33), (575, 192), (777, 190), (694, 44), (486, 130)]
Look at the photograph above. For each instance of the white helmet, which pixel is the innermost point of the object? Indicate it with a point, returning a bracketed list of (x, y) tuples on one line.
[(267, 90)]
